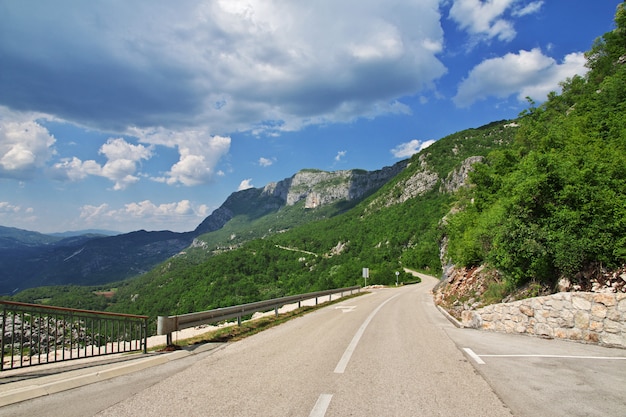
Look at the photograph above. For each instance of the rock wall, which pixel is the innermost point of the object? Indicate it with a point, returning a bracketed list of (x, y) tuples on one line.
[(598, 318)]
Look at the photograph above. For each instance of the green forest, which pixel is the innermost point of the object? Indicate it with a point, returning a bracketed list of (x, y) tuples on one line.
[(554, 203), (547, 201)]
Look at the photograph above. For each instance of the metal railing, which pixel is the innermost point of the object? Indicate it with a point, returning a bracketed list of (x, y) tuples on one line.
[(33, 334), (166, 325)]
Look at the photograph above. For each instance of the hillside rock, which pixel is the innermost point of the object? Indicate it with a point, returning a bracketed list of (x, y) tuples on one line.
[(458, 178), (419, 183), (317, 188)]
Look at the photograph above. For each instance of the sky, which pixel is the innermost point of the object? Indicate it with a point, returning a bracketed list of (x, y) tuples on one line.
[(128, 115)]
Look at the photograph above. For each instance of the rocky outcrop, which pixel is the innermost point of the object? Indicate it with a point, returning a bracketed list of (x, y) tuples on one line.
[(419, 183), (458, 178), (317, 188)]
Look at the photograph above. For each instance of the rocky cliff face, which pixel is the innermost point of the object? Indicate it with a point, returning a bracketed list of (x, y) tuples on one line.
[(317, 188)]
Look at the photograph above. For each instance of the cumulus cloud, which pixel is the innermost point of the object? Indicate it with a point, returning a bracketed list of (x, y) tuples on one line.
[(233, 65), (525, 74), (245, 184), (25, 146), (489, 19), (120, 167), (6, 207), (407, 149), (160, 216), (16, 215), (199, 153), (266, 162)]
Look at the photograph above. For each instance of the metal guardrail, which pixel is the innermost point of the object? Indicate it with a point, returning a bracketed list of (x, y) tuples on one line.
[(166, 325), (33, 334)]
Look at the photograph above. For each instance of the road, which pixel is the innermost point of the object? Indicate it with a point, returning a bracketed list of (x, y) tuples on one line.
[(388, 353)]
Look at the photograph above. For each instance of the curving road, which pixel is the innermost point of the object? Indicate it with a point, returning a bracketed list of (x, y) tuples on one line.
[(382, 354)]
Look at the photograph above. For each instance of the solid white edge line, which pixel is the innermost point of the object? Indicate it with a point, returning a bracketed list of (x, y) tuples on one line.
[(343, 362), (474, 356), (319, 410)]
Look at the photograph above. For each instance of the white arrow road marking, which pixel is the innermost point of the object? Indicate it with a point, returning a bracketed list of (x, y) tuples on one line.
[(345, 309)]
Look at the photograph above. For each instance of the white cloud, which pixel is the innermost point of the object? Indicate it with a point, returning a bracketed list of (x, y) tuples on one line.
[(199, 153), (6, 207), (266, 162), (25, 146), (340, 155), (530, 8), (16, 215), (160, 216), (487, 19), (405, 150), (245, 184), (120, 167), (527, 73), (233, 65)]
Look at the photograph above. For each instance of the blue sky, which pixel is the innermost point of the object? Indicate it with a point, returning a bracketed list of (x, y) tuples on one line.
[(126, 115)]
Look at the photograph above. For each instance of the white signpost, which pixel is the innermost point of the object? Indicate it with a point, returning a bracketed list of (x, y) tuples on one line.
[(366, 275)]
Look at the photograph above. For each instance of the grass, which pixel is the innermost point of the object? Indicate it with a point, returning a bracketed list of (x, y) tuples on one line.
[(252, 327)]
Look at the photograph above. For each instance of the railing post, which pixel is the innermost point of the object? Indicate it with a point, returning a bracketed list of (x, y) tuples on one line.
[(4, 323)]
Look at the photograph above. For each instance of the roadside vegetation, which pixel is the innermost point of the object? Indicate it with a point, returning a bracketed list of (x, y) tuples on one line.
[(553, 204)]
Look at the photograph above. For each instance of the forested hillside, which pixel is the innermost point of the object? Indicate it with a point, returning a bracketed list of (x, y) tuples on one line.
[(554, 204)]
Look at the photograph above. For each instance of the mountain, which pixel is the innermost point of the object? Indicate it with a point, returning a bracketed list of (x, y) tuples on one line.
[(315, 187), (257, 252), (86, 259), (96, 232), (31, 259), (10, 237)]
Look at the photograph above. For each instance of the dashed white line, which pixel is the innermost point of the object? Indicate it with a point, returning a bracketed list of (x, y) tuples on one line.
[(343, 362), (319, 410)]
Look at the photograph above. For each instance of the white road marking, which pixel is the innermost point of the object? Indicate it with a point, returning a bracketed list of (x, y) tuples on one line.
[(478, 360), (343, 362), (474, 356), (345, 309), (319, 410), (615, 358)]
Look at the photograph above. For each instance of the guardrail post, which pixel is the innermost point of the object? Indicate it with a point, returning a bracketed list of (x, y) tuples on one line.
[(276, 311), (145, 335)]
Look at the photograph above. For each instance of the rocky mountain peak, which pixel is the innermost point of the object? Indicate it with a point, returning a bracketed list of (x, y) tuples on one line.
[(316, 187)]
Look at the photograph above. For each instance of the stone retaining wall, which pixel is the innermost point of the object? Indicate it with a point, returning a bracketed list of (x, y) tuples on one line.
[(598, 318)]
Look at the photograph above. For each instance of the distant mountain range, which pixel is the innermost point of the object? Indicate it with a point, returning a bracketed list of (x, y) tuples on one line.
[(74, 233), (30, 259)]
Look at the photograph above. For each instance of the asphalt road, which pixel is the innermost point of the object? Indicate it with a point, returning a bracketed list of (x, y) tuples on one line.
[(388, 353)]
